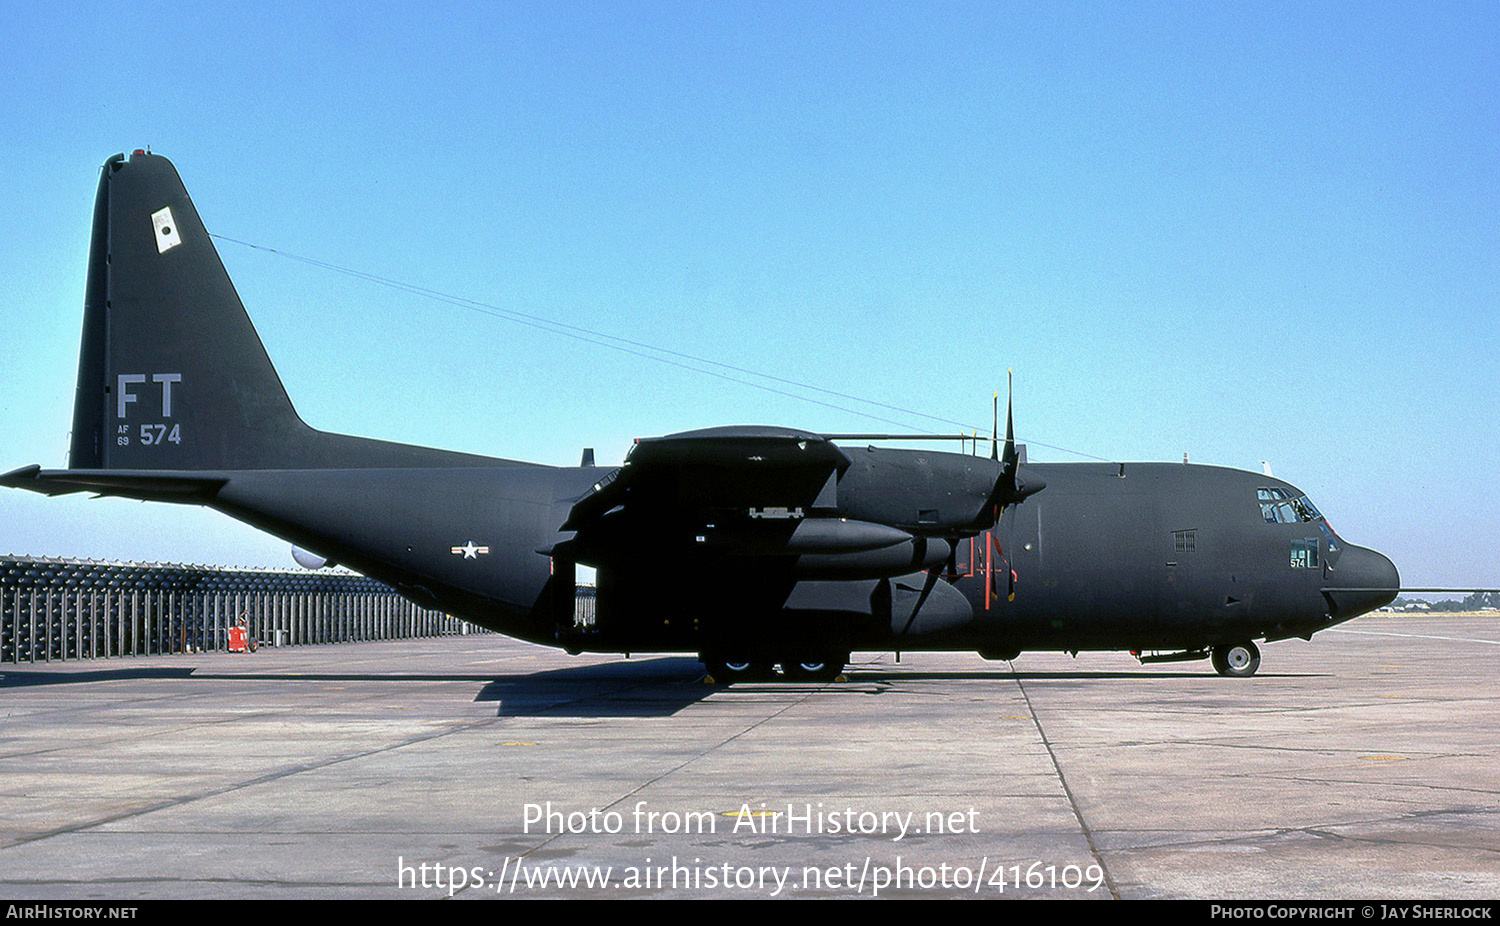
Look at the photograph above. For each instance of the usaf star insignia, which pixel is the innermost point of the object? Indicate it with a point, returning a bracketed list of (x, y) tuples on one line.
[(470, 550)]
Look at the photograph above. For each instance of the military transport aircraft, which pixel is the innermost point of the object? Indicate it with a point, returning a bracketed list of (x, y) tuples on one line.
[(752, 547)]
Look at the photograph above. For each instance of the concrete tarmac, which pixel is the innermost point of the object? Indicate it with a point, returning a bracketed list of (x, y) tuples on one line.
[(1364, 764)]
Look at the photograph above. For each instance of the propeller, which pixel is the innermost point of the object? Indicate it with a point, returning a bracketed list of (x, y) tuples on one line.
[(1011, 486)]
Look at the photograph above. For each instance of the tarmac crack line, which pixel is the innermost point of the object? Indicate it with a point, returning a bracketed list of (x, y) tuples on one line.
[(136, 737), (296, 770), (248, 783), (1088, 834), (1316, 831), (1357, 782), (719, 745), (671, 771)]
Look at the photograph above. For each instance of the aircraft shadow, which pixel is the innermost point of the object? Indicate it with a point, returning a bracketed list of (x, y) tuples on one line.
[(634, 688), (1000, 675), (12, 678)]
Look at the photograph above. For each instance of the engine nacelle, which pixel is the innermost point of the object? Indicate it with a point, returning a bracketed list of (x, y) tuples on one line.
[(924, 492), (913, 555)]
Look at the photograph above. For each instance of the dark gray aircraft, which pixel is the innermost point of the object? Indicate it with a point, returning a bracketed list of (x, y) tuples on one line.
[(752, 547)]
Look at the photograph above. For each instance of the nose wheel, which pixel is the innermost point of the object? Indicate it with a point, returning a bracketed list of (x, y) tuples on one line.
[(1239, 660)]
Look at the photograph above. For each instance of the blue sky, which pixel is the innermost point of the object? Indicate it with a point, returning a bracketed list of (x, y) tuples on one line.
[(1245, 232)]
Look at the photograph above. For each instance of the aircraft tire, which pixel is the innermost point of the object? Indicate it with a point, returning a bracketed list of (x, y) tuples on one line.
[(813, 668), (1238, 660), (729, 671)]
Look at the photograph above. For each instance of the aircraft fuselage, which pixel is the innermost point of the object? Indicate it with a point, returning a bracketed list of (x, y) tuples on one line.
[(1145, 556)]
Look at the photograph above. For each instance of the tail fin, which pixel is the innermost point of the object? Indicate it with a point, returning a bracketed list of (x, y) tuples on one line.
[(171, 374)]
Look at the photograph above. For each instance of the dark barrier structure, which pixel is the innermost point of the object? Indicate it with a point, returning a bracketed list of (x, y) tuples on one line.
[(67, 609)]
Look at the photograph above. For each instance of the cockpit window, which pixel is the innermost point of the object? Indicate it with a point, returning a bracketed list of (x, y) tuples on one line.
[(1329, 537), (1279, 507)]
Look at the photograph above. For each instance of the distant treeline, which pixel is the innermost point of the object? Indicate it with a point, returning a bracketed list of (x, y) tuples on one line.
[(1473, 602)]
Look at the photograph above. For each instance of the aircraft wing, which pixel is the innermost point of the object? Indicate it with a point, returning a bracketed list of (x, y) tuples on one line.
[(702, 478), (741, 529), (756, 499)]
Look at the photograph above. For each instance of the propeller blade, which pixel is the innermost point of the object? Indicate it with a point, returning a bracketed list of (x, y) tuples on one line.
[(1010, 487), (1010, 567), (932, 580), (1010, 427), (989, 569), (933, 575)]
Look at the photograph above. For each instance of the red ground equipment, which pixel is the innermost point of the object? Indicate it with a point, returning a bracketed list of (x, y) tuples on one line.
[(239, 640)]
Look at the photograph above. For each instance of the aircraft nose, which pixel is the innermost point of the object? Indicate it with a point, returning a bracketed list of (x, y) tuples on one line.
[(1362, 581)]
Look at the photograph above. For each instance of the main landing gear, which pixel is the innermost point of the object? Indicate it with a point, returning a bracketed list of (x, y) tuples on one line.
[(814, 668), (1238, 660)]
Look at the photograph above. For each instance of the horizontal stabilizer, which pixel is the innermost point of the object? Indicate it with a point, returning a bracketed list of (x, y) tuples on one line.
[(147, 485)]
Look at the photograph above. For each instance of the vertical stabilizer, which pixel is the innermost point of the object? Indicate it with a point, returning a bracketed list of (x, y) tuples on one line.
[(171, 374)]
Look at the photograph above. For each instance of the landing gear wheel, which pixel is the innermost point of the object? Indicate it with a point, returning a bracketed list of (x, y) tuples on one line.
[(813, 668), (729, 671), (1237, 661)]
